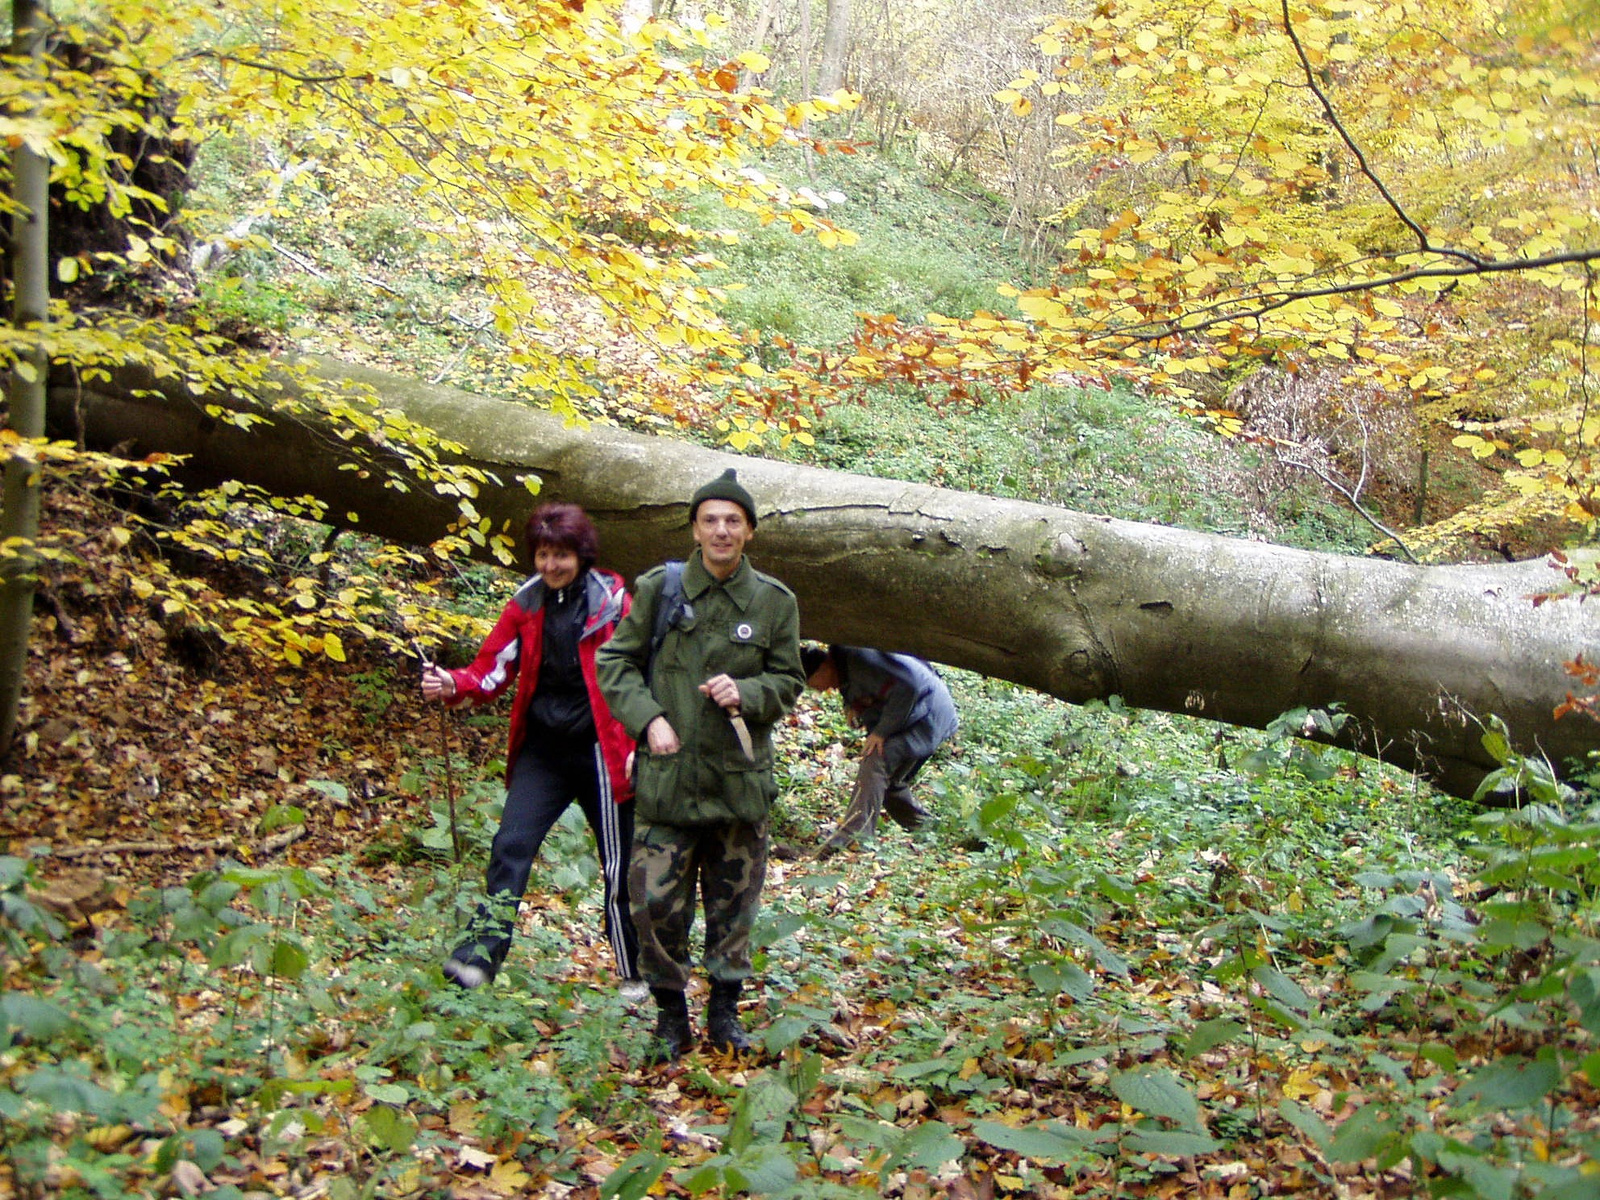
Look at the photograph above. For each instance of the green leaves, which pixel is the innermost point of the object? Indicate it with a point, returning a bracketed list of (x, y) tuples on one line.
[(927, 1145), (31, 1017), (635, 1177), (1514, 1082), (1158, 1094), (1049, 1142)]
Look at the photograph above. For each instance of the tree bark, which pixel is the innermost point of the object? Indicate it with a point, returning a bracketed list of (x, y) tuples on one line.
[(835, 47), (30, 276), (1082, 607)]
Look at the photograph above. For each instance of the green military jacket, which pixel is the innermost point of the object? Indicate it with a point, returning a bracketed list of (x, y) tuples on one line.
[(747, 627)]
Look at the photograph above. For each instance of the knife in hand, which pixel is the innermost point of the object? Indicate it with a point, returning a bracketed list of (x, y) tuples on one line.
[(742, 732)]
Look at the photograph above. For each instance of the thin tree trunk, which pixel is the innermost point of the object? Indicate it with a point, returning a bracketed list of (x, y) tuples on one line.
[(1082, 607), (805, 87), (30, 266), (835, 48), (758, 39)]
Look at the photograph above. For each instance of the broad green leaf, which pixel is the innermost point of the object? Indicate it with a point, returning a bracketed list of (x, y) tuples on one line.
[(1500, 933), (36, 1019), (771, 930), (930, 1145), (635, 1177), (1281, 988), (289, 960), (1511, 1083), (1440, 1055), (238, 944), (67, 1093), (1115, 889), (1488, 1180), (390, 1128), (272, 1091), (280, 816), (1083, 1054), (1046, 1142), (203, 1147), (1314, 1128), (761, 1168), (785, 1032), (1068, 977), (1362, 1135), (1108, 960), (1209, 1034), (1157, 1093), (1170, 1141)]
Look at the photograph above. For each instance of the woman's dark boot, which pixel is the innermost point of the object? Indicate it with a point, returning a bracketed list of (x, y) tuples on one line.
[(722, 1016), (673, 1034)]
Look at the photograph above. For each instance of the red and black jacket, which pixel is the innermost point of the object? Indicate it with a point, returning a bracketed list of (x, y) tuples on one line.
[(514, 647)]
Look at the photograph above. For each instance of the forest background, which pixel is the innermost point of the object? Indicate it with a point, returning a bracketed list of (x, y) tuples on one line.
[(1332, 289)]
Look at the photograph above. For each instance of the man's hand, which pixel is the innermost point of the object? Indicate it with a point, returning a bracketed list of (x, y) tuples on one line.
[(661, 737), (873, 745), (722, 690)]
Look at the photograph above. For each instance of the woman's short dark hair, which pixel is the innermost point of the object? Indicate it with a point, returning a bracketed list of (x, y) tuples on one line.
[(564, 526)]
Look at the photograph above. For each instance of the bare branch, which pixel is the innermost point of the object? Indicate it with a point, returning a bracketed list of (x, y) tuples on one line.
[(1351, 496)]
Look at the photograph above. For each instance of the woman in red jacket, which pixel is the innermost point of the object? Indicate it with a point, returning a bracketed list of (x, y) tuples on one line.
[(565, 744)]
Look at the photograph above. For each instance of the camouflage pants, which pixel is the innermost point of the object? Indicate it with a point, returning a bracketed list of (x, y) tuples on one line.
[(728, 862)]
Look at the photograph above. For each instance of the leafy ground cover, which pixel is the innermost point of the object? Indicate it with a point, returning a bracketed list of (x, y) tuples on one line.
[(1135, 955)]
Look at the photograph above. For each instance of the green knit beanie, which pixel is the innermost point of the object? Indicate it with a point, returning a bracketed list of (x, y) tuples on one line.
[(725, 487)]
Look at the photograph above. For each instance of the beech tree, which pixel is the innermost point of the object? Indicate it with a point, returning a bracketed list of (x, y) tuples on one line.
[(1079, 606), (1395, 199), (546, 143)]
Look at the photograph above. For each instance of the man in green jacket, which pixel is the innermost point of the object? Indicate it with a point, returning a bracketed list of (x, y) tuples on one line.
[(702, 704)]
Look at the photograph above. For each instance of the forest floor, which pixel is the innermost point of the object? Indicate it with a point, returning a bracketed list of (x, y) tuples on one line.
[(1118, 966)]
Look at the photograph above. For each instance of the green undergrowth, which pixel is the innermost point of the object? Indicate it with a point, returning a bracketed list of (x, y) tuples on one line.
[(364, 284), (1110, 452), (1133, 954), (1127, 941), (922, 250)]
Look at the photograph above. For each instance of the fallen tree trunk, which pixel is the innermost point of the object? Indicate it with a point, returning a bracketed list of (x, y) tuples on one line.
[(1079, 606)]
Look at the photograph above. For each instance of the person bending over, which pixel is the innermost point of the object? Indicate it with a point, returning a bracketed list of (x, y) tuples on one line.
[(907, 712)]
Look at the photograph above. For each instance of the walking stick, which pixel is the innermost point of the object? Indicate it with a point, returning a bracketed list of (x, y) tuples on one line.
[(449, 771)]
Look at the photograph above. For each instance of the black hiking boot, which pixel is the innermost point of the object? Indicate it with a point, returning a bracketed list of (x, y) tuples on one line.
[(722, 1017), (672, 1033)]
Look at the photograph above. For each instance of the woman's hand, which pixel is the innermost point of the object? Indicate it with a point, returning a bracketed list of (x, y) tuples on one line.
[(873, 745), (660, 736), (437, 683)]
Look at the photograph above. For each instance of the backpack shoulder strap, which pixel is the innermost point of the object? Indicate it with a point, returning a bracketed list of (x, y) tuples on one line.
[(669, 603)]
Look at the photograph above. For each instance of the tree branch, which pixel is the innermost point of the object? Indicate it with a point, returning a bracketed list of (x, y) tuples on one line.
[(1361, 159)]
